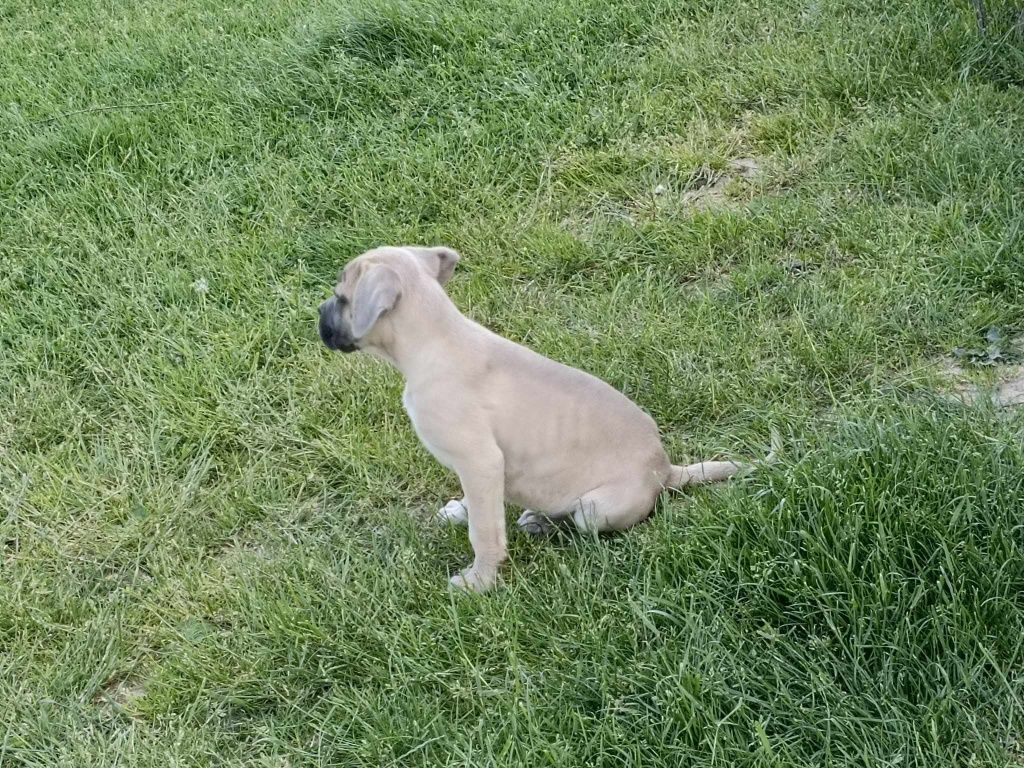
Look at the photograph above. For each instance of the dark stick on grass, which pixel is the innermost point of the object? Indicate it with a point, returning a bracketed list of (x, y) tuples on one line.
[(979, 11)]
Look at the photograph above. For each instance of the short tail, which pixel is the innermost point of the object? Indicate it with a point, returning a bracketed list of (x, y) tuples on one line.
[(715, 471)]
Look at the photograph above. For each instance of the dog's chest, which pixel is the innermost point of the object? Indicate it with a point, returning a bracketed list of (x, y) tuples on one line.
[(419, 425)]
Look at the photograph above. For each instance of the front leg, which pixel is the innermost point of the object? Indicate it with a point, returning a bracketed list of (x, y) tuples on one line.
[(483, 481)]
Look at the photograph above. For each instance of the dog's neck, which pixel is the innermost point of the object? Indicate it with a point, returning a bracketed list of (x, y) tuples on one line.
[(417, 349)]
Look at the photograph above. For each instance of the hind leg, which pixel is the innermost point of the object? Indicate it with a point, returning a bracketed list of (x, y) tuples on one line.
[(614, 507), (539, 524)]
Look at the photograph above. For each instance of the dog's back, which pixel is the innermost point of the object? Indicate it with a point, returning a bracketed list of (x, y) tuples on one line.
[(563, 431)]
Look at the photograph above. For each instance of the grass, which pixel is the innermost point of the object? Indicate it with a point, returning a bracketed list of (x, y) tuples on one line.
[(217, 547)]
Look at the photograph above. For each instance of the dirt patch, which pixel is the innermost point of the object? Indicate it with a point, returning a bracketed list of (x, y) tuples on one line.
[(710, 188), (1005, 389), (119, 694), (956, 384), (705, 188), (1010, 391)]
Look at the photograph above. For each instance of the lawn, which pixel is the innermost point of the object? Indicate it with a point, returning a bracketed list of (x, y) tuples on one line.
[(217, 538)]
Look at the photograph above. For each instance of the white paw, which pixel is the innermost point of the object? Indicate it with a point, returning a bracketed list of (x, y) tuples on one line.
[(454, 513), (535, 524), (475, 579)]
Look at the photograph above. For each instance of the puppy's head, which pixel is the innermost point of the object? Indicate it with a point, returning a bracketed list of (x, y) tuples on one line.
[(371, 289)]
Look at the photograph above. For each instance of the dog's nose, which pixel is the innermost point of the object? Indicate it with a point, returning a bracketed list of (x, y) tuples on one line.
[(333, 332), (326, 324)]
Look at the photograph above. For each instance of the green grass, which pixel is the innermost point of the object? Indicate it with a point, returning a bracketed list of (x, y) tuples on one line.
[(216, 537)]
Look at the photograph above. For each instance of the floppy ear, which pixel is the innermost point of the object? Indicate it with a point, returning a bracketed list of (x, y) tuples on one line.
[(377, 291), (440, 261), (446, 261)]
